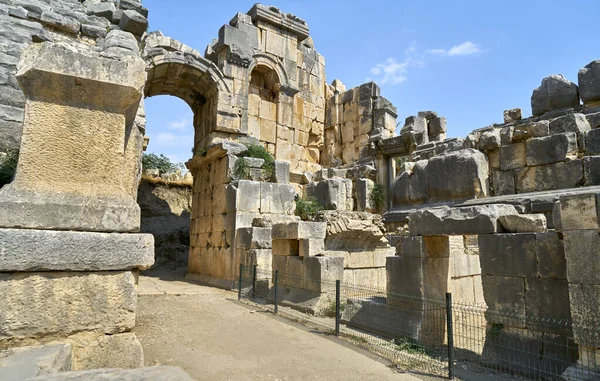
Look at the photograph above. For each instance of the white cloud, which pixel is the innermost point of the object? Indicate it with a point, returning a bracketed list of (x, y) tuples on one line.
[(180, 125), (168, 139), (394, 71), (467, 48)]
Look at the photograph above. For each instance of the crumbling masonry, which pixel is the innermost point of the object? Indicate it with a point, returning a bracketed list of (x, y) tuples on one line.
[(504, 217)]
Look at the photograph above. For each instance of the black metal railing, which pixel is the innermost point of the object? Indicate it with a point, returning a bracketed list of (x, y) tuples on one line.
[(434, 335)]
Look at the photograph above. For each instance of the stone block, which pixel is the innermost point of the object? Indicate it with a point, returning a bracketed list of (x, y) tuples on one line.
[(248, 196), (508, 255), (411, 187), (363, 192), (281, 174), (482, 219), (504, 295), (91, 351), (105, 10), (61, 22), (512, 115), (437, 126), (404, 276), (27, 362), (592, 142), (253, 238), (464, 265), (526, 130), (153, 373), (547, 298), (277, 198), (332, 193), (310, 247), (578, 212), (589, 82), (490, 140), (585, 304), (457, 175), (551, 149), (550, 176), (286, 247), (593, 119), (524, 223), (555, 92), (133, 22), (591, 170), (299, 230), (49, 250), (550, 255), (62, 303), (582, 256), (513, 156), (569, 123), (503, 182)]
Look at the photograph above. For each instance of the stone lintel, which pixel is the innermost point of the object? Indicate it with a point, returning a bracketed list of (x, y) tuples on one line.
[(51, 250), (214, 153), (285, 21)]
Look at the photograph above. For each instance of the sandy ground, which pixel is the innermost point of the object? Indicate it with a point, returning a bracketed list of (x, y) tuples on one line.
[(207, 332)]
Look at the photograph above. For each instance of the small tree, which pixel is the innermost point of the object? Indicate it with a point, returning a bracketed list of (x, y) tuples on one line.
[(377, 197), (307, 208), (160, 162)]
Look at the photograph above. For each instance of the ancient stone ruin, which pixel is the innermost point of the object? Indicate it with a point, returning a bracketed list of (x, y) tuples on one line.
[(507, 217)]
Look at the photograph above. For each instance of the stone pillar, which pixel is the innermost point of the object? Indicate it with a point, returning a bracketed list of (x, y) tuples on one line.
[(72, 172), (67, 264), (578, 221)]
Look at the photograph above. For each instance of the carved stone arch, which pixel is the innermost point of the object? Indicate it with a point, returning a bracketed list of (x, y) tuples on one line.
[(270, 61)]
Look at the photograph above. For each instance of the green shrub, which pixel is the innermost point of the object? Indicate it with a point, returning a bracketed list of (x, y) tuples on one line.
[(160, 162), (8, 166), (377, 197), (259, 152), (307, 208), (241, 170)]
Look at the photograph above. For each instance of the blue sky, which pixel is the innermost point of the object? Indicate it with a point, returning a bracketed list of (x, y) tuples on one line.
[(467, 60)]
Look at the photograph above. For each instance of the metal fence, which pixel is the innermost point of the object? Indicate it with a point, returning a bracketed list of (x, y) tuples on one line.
[(436, 336)]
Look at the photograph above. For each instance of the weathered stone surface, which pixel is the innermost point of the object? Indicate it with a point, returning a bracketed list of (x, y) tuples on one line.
[(510, 255), (524, 223), (48, 250), (93, 31), (513, 156), (276, 198), (105, 10), (458, 175), (585, 304), (551, 149), (524, 131), (248, 196), (589, 81), (132, 21), (592, 142), (582, 257), (503, 182), (569, 123), (547, 298), (332, 193), (157, 373), (437, 126), (352, 231), (411, 187), (60, 21), (299, 230), (512, 115), (254, 238), (26, 362), (363, 193), (311, 247), (591, 169), (481, 219), (282, 172), (91, 351), (506, 296), (555, 92), (62, 303), (551, 176), (550, 254), (490, 140), (578, 212)]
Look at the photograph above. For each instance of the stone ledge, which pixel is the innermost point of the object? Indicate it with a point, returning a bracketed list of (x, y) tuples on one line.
[(50, 250)]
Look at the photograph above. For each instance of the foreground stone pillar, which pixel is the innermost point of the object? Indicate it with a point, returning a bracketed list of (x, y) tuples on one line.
[(67, 262)]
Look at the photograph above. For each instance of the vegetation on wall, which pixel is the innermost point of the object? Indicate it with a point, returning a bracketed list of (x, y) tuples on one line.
[(377, 197), (307, 208), (259, 152), (160, 162), (8, 166)]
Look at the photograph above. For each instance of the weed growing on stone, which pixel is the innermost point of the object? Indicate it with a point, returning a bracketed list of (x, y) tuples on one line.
[(259, 152), (378, 196), (8, 166), (307, 208)]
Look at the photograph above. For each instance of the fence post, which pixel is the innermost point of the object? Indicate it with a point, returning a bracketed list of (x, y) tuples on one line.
[(337, 307), (254, 282), (276, 286), (240, 282), (450, 335)]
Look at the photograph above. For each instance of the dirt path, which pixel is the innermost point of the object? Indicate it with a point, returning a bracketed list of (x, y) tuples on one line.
[(214, 337)]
